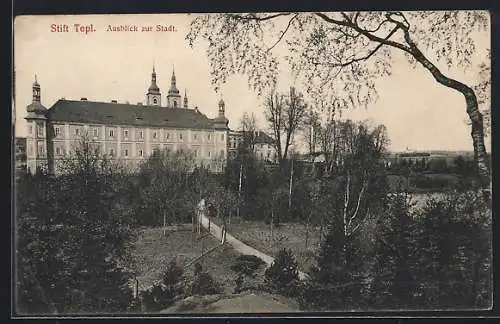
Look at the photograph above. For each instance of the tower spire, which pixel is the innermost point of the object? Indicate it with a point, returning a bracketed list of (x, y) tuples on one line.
[(185, 99), (222, 107), (36, 90), (153, 95), (173, 98)]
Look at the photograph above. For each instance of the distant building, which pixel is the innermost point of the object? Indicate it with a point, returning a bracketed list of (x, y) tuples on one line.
[(126, 132), (264, 145)]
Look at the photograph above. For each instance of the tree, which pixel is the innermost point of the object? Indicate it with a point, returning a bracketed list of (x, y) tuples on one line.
[(74, 235), (285, 115), (311, 128), (393, 283), (166, 186), (341, 55), (249, 129)]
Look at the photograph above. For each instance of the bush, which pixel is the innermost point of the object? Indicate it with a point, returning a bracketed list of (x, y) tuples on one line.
[(282, 271), (247, 265), (203, 283), (163, 295)]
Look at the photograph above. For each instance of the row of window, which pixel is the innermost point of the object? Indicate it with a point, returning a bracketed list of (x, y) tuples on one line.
[(125, 152), (140, 134)]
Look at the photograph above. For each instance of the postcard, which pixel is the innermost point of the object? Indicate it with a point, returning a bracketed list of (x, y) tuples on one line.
[(252, 163)]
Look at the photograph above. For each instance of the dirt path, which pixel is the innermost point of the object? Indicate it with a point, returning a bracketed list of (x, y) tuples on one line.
[(239, 246)]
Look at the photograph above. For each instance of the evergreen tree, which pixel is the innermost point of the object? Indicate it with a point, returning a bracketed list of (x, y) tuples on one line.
[(454, 251), (393, 285)]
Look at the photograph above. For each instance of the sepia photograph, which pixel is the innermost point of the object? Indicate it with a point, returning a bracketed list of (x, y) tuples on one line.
[(251, 163)]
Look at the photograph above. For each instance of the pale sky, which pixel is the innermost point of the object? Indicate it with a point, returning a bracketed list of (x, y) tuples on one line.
[(105, 66)]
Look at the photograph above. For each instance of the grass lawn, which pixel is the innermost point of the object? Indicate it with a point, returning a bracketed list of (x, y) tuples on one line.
[(288, 235), (153, 252)]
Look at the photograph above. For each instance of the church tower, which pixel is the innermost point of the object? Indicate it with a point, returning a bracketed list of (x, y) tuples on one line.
[(222, 108), (185, 100), (36, 139), (154, 94), (173, 97)]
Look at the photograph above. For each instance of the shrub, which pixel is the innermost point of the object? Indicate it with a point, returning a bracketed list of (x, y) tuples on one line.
[(247, 265), (163, 294), (282, 271), (172, 278), (203, 283)]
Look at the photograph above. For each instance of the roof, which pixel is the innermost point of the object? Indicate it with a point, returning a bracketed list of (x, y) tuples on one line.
[(36, 107), (261, 138), (92, 112)]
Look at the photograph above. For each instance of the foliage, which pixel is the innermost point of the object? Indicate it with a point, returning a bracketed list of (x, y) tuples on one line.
[(283, 270), (339, 57), (454, 252), (163, 294), (247, 265), (74, 232), (169, 185), (203, 283), (436, 257), (393, 283)]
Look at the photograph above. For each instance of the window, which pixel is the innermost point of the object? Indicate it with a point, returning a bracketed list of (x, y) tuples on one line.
[(209, 154), (222, 137), (39, 129), (96, 132), (41, 148), (125, 133), (56, 131), (77, 131), (111, 152), (111, 133), (195, 137), (154, 135), (58, 151), (209, 137), (180, 136), (167, 136), (30, 149), (222, 153), (175, 104), (30, 129), (125, 152), (155, 101), (141, 135)]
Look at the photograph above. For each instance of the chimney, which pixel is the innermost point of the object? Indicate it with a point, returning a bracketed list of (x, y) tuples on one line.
[(114, 101), (127, 102), (83, 99)]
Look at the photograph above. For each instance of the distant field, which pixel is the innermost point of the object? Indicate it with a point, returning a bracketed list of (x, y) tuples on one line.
[(153, 252)]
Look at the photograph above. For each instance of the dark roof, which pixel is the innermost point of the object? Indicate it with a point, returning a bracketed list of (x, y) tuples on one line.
[(36, 107), (261, 138), (92, 112)]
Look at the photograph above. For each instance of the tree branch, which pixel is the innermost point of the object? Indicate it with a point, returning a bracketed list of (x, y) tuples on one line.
[(284, 32), (253, 16), (366, 33)]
